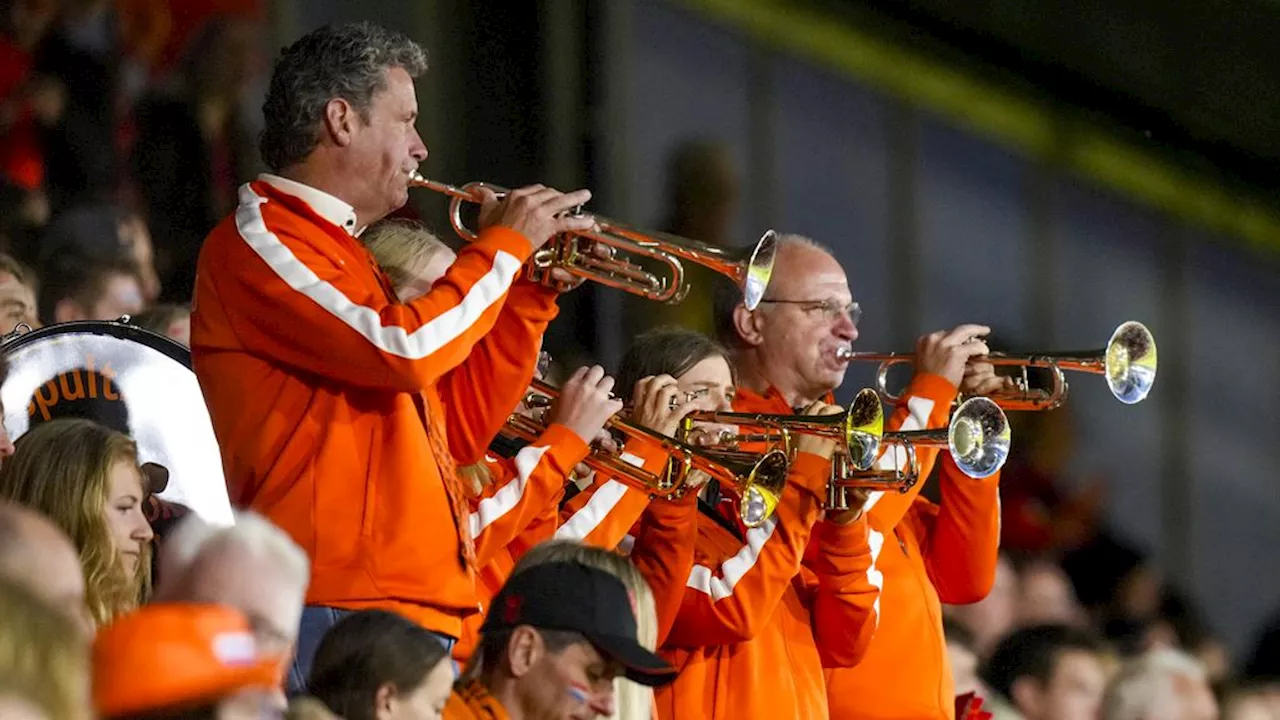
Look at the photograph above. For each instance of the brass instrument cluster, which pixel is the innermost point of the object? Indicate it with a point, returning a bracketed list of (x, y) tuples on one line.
[(755, 462)]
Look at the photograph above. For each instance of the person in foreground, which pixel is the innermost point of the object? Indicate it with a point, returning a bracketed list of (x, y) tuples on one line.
[(556, 636), (326, 394), (183, 661)]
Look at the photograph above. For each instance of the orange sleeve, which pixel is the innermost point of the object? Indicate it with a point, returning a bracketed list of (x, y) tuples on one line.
[(729, 596), (303, 308), (961, 536), (534, 481), (542, 528), (481, 392), (663, 553), (840, 576), (607, 509), (925, 404)]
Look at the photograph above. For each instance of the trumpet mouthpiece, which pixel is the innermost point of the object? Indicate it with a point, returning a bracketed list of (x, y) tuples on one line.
[(844, 352)]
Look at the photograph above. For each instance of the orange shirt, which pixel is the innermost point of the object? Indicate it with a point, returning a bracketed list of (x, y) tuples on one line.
[(471, 701), (747, 634), (938, 554), (329, 398), (923, 555), (819, 609), (516, 511)]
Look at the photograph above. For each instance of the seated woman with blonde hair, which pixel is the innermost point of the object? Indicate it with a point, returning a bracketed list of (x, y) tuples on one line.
[(86, 479)]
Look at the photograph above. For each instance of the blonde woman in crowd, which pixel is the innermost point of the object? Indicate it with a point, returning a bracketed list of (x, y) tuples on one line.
[(86, 479), (413, 258), (635, 701), (44, 659)]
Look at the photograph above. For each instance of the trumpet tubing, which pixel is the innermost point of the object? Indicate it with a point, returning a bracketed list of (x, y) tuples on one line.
[(846, 478), (1128, 363), (758, 480), (575, 253), (858, 429)]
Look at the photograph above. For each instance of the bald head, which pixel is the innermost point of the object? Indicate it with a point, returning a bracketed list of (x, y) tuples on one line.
[(790, 341), (37, 554)]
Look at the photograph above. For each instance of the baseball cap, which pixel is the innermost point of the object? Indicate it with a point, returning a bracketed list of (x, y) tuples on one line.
[(573, 597), (168, 655)]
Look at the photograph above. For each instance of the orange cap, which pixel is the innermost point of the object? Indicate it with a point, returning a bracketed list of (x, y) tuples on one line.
[(169, 655)]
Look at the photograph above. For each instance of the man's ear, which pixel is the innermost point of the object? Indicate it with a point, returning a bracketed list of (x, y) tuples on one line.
[(384, 702), (749, 325), (340, 120), (524, 650)]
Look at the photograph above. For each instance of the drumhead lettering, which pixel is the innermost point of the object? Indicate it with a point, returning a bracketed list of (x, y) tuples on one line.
[(88, 392)]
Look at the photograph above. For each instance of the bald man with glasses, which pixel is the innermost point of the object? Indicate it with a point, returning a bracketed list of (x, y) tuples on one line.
[(792, 353)]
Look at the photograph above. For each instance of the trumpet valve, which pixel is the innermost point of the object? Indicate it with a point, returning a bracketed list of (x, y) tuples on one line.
[(836, 498)]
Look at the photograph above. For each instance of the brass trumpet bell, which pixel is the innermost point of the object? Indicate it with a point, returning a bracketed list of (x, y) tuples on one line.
[(1129, 363), (762, 486), (977, 437)]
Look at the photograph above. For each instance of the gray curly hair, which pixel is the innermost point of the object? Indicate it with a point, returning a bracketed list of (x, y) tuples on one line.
[(343, 61)]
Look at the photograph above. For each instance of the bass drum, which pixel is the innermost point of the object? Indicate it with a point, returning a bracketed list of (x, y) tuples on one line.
[(131, 380)]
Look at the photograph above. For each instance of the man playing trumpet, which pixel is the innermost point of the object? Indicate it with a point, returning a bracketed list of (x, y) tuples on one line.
[(327, 396), (792, 352)]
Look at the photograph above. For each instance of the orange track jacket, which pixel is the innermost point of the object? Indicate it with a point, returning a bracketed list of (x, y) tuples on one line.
[(924, 554), (516, 511), (752, 628), (332, 402)]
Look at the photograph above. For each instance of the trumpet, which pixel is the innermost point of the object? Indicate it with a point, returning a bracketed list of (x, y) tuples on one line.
[(758, 480), (858, 429), (749, 269), (977, 437), (845, 477), (1128, 363)]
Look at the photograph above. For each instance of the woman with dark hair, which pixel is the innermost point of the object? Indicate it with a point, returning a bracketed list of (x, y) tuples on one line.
[(667, 373), (376, 665)]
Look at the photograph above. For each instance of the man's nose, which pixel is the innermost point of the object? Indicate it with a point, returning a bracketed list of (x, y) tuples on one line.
[(845, 329)]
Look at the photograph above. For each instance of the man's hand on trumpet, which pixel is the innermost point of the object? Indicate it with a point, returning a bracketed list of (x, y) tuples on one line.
[(947, 352), (816, 444), (537, 212), (980, 378), (540, 214), (856, 499)]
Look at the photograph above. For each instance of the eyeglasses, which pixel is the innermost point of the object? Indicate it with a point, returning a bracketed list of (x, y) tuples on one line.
[(831, 310)]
